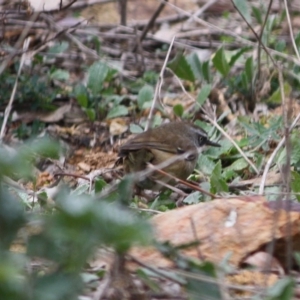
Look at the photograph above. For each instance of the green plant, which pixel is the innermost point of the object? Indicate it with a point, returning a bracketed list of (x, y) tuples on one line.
[(67, 235), (96, 97)]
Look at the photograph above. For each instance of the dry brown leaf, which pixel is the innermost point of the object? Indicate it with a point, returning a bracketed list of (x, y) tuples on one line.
[(83, 166), (69, 113), (117, 126)]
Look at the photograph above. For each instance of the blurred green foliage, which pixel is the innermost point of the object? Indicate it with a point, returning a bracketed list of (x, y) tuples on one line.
[(67, 236)]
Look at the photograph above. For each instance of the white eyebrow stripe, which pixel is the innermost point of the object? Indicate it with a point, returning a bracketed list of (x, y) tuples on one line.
[(199, 131)]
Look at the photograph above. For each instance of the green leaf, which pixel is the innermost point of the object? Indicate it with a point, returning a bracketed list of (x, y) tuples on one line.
[(205, 165), (148, 278), (178, 110), (243, 8), (238, 165), (249, 70), (90, 112), (228, 174), (12, 217), (201, 289), (272, 192), (283, 289), (206, 71), (145, 95), (297, 257), (192, 198), (135, 128), (81, 95), (257, 12), (125, 189), (19, 162), (237, 55), (216, 152), (96, 40), (244, 81), (216, 181), (43, 147), (117, 111), (295, 184), (80, 189), (196, 65), (100, 184), (275, 98), (180, 66), (97, 73), (220, 62), (295, 155), (60, 74), (280, 46), (204, 93), (59, 48)]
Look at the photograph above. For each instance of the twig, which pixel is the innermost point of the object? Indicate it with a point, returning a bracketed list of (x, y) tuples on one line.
[(193, 186), (85, 3), (123, 11), (291, 29), (256, 35), (172, 188), (259, 43), (200, 256), (158, 86), (61, 7), (205, 278), (153, 211), (154, 270), (78, 43), (19, 42), (236, 36), (201, 10), (139, 176), (13, 93), (287, 112), (72, 175), (150, 23)]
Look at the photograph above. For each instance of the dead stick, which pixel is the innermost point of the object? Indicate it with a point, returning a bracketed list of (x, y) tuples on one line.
[(193, 186), (150, 23)]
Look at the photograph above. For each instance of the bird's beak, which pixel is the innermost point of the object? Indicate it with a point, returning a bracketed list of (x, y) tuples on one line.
[(210, 143)]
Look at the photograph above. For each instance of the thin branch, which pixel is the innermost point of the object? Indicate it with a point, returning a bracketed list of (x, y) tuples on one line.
[(255, 34), (201, 10), (188, 184), (259, 41), (19, 42), (12, 96), (239, 38), (291, 29), (78, 43), (196, 238), (158, 86), (150, 23)]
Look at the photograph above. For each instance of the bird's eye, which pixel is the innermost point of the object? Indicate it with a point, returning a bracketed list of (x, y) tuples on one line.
[(201, 140)]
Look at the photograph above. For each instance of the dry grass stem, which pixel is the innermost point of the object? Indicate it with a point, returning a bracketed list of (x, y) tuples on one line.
[(159, 86)]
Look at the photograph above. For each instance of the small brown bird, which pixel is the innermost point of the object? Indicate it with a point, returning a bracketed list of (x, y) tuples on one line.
[(157, 145)]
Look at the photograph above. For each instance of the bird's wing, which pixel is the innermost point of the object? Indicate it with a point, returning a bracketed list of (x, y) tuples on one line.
[(138, 145)]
